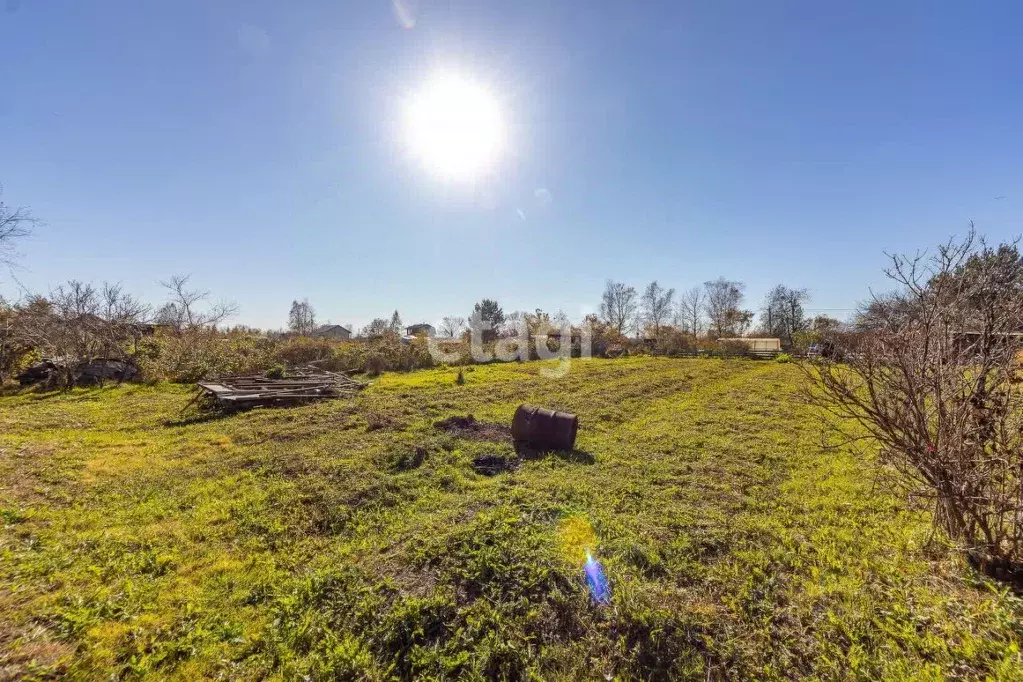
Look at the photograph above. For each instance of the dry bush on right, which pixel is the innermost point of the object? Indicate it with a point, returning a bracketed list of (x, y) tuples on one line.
[(934, 379)]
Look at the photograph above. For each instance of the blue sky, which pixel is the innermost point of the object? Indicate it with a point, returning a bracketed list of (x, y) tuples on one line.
[(253, 145)]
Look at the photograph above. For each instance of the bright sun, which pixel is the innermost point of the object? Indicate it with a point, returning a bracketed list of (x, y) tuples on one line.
[(453, 127)]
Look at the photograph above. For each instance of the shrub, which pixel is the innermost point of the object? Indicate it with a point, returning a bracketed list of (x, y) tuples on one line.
[(302, 350), (934, 380), (606, 341), (783, 358), (375, 364), (733, 348), (275, 372), (347, 357), (14, 360), (187, 357), (674, 342)]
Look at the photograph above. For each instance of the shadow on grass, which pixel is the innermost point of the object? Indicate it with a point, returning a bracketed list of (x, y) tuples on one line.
[(575, 456), (46, 390), (196, 417), (199, 411), (34, 391)]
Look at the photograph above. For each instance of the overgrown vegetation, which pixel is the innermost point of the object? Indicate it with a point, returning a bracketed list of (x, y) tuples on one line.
[(353, 540), (198, 354), (936, 383)]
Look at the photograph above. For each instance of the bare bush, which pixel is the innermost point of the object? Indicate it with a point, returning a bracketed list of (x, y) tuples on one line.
[(605, 339), (375, 364), (673, 342), (190, 308), (15, 224), (935, 382), (78, 323)]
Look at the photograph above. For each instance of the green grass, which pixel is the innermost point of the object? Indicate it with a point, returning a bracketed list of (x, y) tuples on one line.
[(139, 541)]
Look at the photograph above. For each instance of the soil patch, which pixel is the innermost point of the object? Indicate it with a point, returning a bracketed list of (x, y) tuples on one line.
[(491, 465), (469, 427)]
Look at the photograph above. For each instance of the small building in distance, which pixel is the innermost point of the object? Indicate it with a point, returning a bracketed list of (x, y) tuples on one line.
[(332, 331), (757, 345), (421, 329)]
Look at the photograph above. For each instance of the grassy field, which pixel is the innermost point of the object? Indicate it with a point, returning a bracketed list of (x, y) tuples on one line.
[(142, 541)]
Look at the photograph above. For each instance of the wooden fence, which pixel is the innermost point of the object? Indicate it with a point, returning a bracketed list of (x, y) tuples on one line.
[(749, 354)]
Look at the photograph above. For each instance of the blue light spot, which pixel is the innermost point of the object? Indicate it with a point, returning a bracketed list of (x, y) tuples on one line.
[(600, 591)]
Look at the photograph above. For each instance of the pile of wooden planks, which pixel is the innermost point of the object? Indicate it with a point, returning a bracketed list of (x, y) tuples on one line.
[(245, 391)]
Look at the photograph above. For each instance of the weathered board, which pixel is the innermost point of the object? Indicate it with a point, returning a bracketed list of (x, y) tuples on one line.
[(245, 391)]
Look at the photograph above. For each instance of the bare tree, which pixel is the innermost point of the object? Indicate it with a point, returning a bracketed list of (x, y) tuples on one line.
[(516, 323), (302, 317), (656, 302), (722, 302), (15, 224), (783, 314), (395, 323), (183, 310), (619, 306), (690, 311), (452, 326), (934, 383)]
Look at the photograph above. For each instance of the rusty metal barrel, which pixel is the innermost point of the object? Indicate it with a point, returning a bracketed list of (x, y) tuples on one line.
[(544, 429)]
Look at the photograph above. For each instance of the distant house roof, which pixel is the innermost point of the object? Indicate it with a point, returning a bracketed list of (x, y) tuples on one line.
[(331, 328)]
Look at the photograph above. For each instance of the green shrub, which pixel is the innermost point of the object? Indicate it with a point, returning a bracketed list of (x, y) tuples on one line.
[(202, 354), (783, 358), (275, 372), (302, 350), (15, 360), (187, 357), (347, 357)]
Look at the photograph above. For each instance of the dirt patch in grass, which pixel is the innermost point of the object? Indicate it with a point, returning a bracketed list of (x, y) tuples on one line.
[(491, 464), (469, 427), (34, 474), (31, 650)]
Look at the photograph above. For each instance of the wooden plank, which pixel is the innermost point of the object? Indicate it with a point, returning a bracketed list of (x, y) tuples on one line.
[(214, 388)]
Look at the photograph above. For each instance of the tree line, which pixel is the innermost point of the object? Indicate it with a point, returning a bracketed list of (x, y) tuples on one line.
[(715, 309)]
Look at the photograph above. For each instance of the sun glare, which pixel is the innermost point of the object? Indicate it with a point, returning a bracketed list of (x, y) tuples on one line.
[(453, 127)]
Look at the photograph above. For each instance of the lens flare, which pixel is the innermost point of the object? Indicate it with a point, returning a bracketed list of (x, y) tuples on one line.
[(405, 12), (600, 591), (578, 541)]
